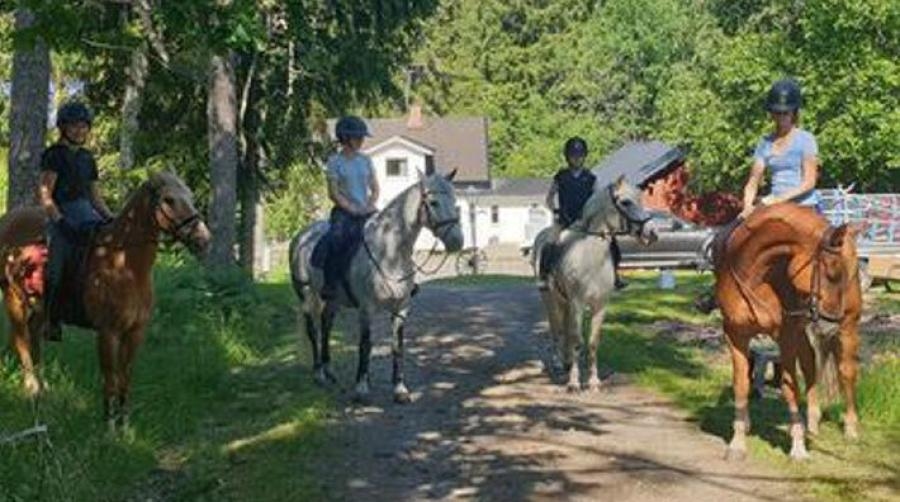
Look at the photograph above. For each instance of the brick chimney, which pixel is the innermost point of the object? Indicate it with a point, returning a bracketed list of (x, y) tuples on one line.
[(414, 120)]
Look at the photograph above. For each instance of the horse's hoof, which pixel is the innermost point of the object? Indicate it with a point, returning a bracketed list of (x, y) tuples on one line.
[(594, 385), (361, 394), (851, 432), (323, 377), (573, 388), (735, 454), (401, 394), (32, 386), (799, 454)]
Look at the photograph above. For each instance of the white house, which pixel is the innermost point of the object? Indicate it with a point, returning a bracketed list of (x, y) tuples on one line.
[(492, 211)]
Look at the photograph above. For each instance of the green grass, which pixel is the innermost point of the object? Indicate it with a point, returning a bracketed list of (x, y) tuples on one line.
[(698, 378), (222, 410)]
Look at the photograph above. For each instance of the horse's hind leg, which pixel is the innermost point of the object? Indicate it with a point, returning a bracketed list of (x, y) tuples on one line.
[(573, 339), (22, 342), (308, 309), (739, 346), (365, 352), (788, 345), (556, 320), (127, 350), (593, 382), (323, 374), (401, 393), (108, 351)]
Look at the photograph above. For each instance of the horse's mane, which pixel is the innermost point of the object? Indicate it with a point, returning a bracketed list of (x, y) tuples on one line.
[(803, 221), (154, 183)]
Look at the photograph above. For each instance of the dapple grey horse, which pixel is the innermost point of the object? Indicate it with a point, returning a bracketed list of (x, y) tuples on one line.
[(380, 277), (583, 276)]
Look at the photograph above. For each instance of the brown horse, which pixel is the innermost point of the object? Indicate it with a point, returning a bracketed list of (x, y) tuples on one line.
[(784, 272), (118, 289)]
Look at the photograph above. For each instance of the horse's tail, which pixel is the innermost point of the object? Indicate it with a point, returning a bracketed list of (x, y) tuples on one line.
[(826, 347)]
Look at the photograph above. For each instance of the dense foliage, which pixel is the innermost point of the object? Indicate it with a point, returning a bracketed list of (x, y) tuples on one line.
[(685, 71)]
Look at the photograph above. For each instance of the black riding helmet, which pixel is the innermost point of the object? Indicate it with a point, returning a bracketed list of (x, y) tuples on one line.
[(73, 112), (784, 96), (575, 147), (350, 127)]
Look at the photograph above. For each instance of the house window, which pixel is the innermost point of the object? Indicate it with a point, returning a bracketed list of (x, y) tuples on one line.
[(429, 164), (495, 214), (395, 168)]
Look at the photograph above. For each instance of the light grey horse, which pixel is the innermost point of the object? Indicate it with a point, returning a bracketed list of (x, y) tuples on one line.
[(583, 276), (380, 277)]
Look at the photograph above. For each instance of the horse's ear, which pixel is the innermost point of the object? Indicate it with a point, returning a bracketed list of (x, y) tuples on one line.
[(451, 175), (620, 182), (839, 235)]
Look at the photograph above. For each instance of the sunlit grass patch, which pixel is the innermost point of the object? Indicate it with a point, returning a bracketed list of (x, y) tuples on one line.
[(218, 361)]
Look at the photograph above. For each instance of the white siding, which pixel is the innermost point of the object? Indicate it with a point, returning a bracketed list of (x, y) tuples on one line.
[(391, 186), (518, 222)]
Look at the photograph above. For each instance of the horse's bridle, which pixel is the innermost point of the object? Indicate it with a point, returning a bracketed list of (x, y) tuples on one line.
[(436, 225), (813, 309), (180, 230), (630, 222)]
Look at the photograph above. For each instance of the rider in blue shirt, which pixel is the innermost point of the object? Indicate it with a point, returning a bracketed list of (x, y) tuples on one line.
[(353, 187), (789, 153)]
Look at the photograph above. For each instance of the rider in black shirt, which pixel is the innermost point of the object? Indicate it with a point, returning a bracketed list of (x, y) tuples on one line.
[(572, 186), (70, 194)]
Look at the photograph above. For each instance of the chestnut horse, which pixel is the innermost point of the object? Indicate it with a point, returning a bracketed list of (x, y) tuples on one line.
[(784, 272), (118, 289)]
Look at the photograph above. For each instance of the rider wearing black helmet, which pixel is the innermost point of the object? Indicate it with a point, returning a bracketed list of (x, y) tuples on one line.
[(353, 187), (571, 188), (789, 153), (70, 194)]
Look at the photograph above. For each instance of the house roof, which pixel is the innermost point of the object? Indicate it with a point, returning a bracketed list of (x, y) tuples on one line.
[(521, 187), (408, 143), (513, 191), (459, 143), (640, 162)]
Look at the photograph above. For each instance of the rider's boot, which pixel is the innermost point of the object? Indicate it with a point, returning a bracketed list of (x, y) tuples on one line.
[(56, 261)]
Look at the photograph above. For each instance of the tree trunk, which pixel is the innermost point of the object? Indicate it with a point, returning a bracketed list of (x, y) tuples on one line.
[(249, 190), (28, 116), (223, 159), (252, 236), (131, 105)]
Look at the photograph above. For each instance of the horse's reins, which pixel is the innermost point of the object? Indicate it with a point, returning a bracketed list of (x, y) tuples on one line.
[(812, 311), (175, 227), (624, 229), (436, 226)]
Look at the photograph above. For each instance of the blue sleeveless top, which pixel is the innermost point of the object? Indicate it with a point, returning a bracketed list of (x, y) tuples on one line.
[(787, 167)]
